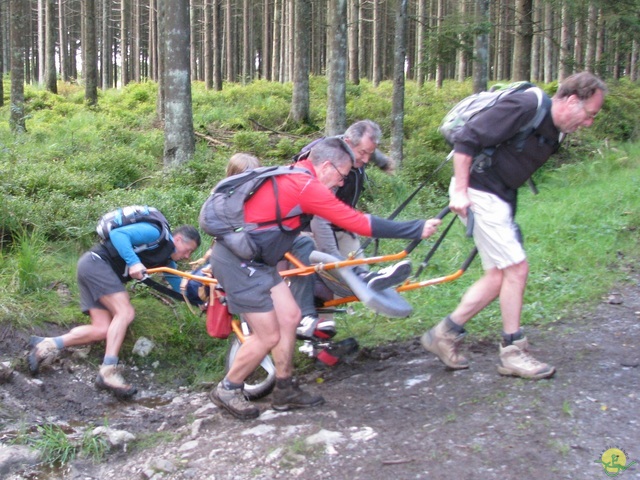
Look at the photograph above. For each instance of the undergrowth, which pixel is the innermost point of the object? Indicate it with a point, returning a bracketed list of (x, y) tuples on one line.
[(75, 163)]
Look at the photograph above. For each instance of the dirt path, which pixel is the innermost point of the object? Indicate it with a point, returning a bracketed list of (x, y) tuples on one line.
[(393, 412)]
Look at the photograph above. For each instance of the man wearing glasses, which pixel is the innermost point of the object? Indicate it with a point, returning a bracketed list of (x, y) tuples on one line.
[(490, 192), (254, 287)]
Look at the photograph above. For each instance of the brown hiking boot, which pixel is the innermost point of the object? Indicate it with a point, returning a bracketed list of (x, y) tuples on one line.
[(515, 360), (43, 352), (292, 397), (443, 343), (234, 402), (109, 378)]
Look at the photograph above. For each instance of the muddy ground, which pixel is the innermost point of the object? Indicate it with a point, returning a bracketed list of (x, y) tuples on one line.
[(391, 412)]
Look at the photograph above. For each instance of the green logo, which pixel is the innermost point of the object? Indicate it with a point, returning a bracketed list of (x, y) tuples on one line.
[(614, 462)]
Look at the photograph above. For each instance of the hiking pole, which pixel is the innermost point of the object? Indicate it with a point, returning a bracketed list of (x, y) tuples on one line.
[(430, 253), (404, 204)]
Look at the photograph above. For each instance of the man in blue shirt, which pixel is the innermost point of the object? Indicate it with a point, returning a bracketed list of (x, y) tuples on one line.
[(102, 274)]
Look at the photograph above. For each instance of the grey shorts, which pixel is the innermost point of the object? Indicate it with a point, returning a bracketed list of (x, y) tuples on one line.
[(247, 284), (96, 279)]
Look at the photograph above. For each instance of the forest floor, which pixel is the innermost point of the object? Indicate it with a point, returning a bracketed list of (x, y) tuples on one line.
[(390, 412)]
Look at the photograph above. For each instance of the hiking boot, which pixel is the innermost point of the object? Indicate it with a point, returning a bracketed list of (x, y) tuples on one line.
[(306, 327), (443, 343), (515, 360), (292, 397), (43, 352), (234, 402), (109, 378), (325, 329), (388, 277)]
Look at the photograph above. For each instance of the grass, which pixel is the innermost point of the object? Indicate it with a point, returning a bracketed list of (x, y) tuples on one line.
[(58, 448), (75, 164)]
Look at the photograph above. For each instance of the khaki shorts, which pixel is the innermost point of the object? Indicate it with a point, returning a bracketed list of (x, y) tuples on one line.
[(495, 233), (247, 284)]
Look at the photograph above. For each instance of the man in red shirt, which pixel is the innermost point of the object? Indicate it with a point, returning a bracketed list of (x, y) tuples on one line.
[(255, 289)]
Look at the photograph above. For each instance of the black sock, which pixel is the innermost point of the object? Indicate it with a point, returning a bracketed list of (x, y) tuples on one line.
[(509, 338), (453, 326)]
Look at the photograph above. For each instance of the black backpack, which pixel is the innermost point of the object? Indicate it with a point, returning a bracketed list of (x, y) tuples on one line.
[(222, 215), (121, 217)]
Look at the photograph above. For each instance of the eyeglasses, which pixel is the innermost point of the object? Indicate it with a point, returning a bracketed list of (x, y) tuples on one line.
[(590, 115), (342, 176)]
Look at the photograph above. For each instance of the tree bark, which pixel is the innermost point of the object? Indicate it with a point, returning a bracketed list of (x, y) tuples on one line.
[(565, 43), (481, 49), (217, 45), (179, 139), (247, 47), (336, 121), (354, 47), (420, 40), (299, 112), (90, 54), (397, 113), (548, 43), (124, 42), (267, 37), (41, 42), (106, 64), (230, 50), (18, 25), (523, 40), (377, 43), (50, 61), (277, 35)]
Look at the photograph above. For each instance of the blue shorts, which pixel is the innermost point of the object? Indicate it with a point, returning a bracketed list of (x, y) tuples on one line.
[(247, 284)]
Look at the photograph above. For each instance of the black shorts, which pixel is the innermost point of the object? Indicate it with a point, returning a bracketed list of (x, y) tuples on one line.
[(247, 284), (96, 279)]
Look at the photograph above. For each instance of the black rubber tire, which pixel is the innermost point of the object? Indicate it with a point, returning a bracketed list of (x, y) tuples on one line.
[(261, 382)]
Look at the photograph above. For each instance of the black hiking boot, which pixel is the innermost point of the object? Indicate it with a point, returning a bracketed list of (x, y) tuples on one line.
[(291, 396)]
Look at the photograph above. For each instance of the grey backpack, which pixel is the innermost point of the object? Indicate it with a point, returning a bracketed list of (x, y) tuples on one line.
[(222, 215)]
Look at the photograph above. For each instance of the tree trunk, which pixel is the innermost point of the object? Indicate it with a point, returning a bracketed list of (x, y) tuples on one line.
[(179, 139), (208, 44), (548, 43), (18, 39), (537, 41), (336, 121), (277, 36), (377, 43), (105, 55), (247, 50), (63, 41), (354, 47), (565, 43), (50, 61), (90, 54), (136, 32), (267, 38), (592, 27), (299, 112), (461, 53), (162, 39), (124, 42), (439, 65), (217, 45), (481, 48), (397, 110), (421, 30), (41, 42), (230, 50), (363, 51), (523, 40)]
